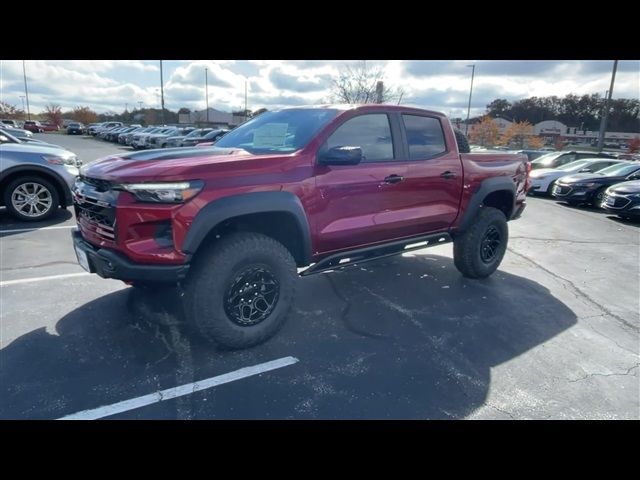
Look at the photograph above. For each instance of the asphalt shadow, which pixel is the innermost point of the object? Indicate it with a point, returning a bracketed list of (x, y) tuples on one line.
[(403, 338), (8, 222)]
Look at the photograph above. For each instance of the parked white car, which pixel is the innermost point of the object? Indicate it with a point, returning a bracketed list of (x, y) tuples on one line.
[(543, 179)]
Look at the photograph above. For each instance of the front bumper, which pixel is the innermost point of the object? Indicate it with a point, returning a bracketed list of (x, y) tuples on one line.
[(109, 264), (568, 193), (621, 205)]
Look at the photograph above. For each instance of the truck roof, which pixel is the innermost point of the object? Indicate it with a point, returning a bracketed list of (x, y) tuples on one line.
[(367, 106)]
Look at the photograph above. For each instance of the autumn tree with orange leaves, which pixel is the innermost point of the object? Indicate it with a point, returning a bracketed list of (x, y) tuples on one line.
[(485, 133), (517, 134)]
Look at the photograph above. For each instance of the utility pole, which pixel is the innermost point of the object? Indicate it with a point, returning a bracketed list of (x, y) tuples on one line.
[(161, 95), (206, 90), (379, 90), (245, 99), (139, 105), (126, 107), (473, 71), (603, 122), (26, 90)]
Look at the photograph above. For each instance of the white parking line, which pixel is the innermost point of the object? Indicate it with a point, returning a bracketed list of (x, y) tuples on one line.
[(180, 391), (41, 279), (18, 230)]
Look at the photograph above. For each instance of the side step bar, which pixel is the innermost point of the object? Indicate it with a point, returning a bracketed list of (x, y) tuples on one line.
[(362, 255)]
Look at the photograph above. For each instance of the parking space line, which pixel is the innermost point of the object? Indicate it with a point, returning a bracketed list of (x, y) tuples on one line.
[(42, 279), (180, 391), (18, 230)]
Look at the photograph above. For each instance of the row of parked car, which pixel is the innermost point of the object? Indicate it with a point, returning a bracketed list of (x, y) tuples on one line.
[(604, 180), (163, 136)]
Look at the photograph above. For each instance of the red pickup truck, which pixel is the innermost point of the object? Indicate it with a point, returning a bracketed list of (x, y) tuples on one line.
[(319, 188)]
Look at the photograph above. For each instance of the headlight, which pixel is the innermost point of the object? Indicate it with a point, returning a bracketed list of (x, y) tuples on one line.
[(174, 192), (55, 160), (588, 185)]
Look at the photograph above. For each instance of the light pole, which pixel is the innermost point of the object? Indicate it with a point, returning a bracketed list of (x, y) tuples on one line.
[(23, 110), (473, 71), (603, 122), (206, 91), (161, 95), (139, 105), (245, 99), (26, 90)]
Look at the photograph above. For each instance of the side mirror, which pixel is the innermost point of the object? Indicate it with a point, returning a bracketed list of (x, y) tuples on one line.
[(341, 155)]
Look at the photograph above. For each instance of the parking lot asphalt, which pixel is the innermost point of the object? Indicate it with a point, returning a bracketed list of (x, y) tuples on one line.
[(554, 333)]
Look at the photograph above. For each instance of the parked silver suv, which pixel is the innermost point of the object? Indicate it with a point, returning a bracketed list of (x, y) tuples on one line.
[(35, 180)]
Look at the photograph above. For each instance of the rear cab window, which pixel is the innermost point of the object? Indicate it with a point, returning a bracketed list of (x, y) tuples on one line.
[(425, 136)]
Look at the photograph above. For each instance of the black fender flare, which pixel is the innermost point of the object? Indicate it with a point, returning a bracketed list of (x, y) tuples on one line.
[(65, 199), (248, 203), (487, 187)]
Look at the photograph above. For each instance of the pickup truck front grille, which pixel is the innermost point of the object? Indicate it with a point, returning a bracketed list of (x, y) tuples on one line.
[(97, 219), (100, 185)]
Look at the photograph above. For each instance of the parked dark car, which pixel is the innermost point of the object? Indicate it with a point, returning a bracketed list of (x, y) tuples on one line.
[(590, 187), (75, 129), (623, 200), (212, 136), (557, 159)]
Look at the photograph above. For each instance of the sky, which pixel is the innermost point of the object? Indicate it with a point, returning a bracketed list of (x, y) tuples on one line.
[(113, 85)]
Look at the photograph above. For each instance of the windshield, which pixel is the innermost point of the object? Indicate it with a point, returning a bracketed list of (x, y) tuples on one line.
[(546, 160), (619, 170), (281, 131), (577, 165)]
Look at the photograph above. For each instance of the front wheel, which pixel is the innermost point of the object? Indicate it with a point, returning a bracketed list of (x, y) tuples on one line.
[(240, 290), (598, 198), (31, 198), (478, 251)]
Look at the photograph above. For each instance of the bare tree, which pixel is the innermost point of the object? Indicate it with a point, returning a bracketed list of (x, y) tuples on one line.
[(358, 84)]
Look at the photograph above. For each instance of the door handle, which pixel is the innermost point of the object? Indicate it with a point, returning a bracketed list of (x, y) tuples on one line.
[(393, 179), (448, 175)]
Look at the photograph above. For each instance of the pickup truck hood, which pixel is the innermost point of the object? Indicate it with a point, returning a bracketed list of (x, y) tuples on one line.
[(171, 164)]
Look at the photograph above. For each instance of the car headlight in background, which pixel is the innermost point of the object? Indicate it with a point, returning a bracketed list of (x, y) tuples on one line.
[(171, 192), (587, 185)]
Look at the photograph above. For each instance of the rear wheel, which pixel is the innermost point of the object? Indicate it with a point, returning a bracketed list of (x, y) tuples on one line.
[(31, 198), (240, 290), (478, 251)]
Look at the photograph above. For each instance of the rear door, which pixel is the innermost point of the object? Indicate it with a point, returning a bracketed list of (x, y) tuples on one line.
[(433, 177), (400, 189)]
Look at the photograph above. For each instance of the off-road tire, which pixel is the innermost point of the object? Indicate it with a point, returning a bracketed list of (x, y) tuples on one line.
[(467, 246), (214, 271)]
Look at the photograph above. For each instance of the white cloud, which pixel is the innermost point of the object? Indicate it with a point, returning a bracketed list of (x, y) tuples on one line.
[(442, 85)]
